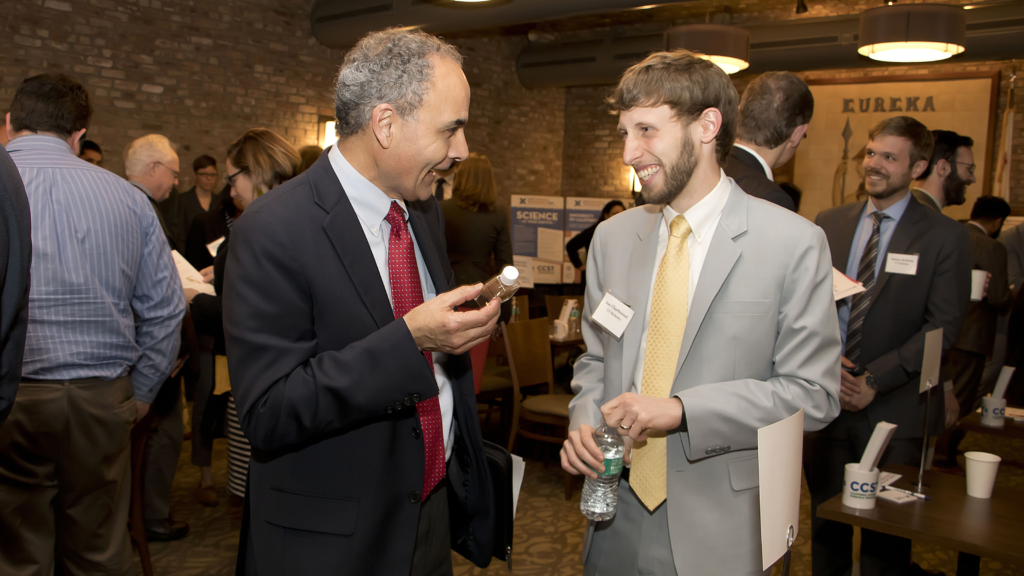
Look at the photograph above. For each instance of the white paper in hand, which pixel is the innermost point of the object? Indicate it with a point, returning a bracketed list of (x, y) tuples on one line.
[(779, 451), (190, 277), (843, 286), (213, 246)]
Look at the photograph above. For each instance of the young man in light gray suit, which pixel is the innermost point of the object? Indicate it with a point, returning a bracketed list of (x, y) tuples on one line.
[(733, 328)]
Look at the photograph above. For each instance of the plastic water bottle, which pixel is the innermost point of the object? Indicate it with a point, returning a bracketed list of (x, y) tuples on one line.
[(502, 286), (601, 496), (574, 322)]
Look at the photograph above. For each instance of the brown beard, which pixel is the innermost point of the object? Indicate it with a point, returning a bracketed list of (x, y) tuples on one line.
[(677, 175)]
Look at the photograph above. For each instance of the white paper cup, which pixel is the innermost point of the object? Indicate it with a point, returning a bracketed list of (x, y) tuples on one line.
[(981, 473), (978, 278), (860, 489), (559, 330), (993, 411)]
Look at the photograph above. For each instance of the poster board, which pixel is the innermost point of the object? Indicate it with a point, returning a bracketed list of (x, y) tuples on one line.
[(845, 109)]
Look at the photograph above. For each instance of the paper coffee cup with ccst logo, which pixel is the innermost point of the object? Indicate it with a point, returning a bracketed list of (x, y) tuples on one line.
[(860, 489), (993, 411), (559, 330), (978, 278)]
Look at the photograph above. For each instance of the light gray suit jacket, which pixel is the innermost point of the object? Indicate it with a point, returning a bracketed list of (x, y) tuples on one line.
[(761, 342)]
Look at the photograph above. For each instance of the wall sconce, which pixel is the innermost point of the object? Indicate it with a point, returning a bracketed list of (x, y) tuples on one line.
[(327, 134)]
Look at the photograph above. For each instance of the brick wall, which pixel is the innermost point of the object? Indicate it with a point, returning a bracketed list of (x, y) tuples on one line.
[(202, 73)]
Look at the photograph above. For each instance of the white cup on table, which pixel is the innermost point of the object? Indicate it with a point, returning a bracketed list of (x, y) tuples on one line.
[(993, 411), (860, 489), (981, 473)]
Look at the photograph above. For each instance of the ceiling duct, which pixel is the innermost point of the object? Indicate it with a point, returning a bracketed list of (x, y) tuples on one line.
[(341, 23), (993, 33)]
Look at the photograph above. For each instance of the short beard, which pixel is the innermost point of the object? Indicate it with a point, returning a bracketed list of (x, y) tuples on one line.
[(677, 175), (954, 189), (892, 189)]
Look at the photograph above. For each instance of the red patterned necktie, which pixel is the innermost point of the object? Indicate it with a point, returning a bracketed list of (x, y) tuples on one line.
[(406, 294)]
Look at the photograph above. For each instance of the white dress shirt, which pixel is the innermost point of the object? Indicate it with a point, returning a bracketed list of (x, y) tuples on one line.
[(767, 169), (371, 206), (703, 218)]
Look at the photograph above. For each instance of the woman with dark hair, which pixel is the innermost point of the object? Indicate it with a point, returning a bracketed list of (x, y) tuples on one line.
[(475, 227), (582, 240), (257, 162)]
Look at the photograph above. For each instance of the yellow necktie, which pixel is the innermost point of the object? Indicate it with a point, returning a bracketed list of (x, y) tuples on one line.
[(664, 337)]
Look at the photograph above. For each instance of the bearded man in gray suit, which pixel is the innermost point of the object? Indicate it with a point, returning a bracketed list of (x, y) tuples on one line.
[(733, 328)]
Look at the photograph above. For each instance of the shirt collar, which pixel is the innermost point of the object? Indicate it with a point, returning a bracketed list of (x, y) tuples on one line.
[(703, 215), (142, 187), (370, 203), (40, 142), (895, 211), (978, 226), (930, 197), (767, 169)]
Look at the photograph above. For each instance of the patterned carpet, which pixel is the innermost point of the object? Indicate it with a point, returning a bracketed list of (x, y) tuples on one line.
[(548, 529)]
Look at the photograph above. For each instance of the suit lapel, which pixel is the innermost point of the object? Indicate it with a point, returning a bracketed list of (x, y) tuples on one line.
[(346, 234), (721, 257), (846, 229), (906, 231), (425, 241), (641, 269)]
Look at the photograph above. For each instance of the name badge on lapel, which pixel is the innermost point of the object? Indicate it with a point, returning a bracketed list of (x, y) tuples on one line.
[(901, 264), (612, 315)]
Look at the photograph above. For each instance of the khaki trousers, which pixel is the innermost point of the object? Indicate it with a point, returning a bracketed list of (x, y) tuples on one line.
[(65, 478)]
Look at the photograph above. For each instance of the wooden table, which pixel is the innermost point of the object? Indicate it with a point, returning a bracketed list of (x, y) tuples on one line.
[(1010, 429), (974, 527)]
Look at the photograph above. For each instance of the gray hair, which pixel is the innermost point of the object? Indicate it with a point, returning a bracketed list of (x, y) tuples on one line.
[(386, 67), (146, 150)]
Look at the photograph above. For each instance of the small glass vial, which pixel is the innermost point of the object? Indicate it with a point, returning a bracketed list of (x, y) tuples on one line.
[(502, 287)]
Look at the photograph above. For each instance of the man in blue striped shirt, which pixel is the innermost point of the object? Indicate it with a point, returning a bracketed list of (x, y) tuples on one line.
[(105, 303)]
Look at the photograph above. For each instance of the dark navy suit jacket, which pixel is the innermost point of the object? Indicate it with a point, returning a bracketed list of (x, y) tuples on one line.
[(326, 381)]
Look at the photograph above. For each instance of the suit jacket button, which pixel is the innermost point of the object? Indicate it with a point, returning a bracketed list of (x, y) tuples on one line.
[(414, 496), (726, 449), (389, 409), (398, 405), (408, 401), (711, 451), (415, 397), (416, 433)]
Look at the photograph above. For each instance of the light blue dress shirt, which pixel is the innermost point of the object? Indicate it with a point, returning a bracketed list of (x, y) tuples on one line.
[(371, 205), (105, 294), (860, 241)]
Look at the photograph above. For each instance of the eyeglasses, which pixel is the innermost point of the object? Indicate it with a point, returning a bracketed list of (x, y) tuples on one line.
[(970, 167), (175, 172), (206, 174), (231, 178)]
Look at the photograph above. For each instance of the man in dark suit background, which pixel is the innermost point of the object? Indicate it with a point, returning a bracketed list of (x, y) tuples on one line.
[(965, 363), (883, 332), (774, 113), (950, 171), (326, 338), (15, 261)]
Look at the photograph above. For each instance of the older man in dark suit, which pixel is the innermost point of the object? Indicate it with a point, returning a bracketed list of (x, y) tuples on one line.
[(774, 113), (883, 332), (15, 260), (345, 349)]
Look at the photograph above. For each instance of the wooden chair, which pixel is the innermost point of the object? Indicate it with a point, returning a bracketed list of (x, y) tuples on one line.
[(529, 358), (495, 393), (136, 520)]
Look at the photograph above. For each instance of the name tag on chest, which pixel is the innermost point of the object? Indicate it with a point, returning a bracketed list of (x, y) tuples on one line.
[(901, 264), (612, 315)]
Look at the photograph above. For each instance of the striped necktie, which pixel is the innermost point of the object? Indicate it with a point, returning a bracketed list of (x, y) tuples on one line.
[(648, 474), (862, 301)]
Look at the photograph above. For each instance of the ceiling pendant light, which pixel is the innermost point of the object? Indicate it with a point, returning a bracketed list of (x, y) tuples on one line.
[(912, 32), (726, 46)]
